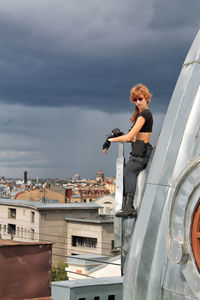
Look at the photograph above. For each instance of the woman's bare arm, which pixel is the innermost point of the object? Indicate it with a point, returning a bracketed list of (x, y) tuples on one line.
[(132, 133)]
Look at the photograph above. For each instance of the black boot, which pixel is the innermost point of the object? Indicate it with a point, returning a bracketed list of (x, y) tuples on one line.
[(128, 209)]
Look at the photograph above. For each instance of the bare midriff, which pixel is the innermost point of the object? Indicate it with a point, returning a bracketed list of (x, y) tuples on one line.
[(142, 136)]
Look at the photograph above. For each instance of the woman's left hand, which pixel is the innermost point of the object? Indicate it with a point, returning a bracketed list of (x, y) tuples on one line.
[(105, 151)]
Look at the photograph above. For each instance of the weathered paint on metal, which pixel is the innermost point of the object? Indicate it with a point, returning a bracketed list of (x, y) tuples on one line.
[(42, 298), (25, 271)]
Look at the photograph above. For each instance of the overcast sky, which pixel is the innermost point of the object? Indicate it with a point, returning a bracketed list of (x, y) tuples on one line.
[(67, 67)]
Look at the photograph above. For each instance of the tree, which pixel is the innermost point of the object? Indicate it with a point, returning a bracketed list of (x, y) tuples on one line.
[(58, 273)]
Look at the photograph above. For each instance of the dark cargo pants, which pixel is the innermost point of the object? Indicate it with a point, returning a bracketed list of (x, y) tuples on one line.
[(137, 162)]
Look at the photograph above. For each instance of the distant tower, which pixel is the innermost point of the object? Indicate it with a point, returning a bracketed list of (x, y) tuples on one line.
[(25, 177), (100, 176), (76, 177)]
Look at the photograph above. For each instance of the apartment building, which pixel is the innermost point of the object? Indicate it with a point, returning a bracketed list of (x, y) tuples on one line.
[(90, 193), (18, 222), (74, 228)]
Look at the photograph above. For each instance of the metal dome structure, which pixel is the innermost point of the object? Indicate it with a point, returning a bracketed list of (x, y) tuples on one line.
[(163, 243)]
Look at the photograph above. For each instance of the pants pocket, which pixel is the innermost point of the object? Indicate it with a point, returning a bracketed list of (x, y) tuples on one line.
[(148, 152), (138, 148)]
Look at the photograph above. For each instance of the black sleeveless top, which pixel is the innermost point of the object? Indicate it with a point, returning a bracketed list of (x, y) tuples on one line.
[(147, 115)]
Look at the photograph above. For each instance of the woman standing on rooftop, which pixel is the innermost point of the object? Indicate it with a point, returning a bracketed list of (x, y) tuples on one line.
[(139, 136)]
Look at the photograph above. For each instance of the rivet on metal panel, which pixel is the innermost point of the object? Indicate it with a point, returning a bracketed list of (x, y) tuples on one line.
[(177, 252)]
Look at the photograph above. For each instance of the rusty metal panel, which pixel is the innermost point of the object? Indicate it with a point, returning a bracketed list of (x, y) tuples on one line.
[(43, 298), (25, 271)]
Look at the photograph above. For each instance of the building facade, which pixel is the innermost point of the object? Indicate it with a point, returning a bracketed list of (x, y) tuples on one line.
[(72, 228)]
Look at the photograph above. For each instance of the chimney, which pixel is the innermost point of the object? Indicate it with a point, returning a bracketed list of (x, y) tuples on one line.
[(25, 177)]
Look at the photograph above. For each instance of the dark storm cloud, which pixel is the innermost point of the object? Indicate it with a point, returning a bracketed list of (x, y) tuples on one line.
[(70, 56), (66, 72), (59, 142), (175, 15)]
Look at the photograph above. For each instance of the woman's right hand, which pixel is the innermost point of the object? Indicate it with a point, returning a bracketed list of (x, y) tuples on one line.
[(106, 145)]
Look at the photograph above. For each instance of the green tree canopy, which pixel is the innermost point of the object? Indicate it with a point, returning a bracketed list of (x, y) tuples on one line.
[(58, 273)]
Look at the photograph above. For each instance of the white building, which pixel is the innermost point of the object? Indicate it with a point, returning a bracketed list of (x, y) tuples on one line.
[(107, 204), (94, 266)]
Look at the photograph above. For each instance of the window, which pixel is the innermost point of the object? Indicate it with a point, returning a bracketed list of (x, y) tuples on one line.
[(4, 229), (100, 211), (111, 297), (84, 200), (12, 213), (81, 241), (81, 298), (112, 244), (32, 234), (11, 230), (32, 217), (107, 210), (97, 298)]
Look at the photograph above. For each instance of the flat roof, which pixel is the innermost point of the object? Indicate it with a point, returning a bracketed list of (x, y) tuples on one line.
[(89, 220), (84, 259), (88, 282), (44, 206), (89, 255), (101, 266), (6, 243), (9, 242)]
